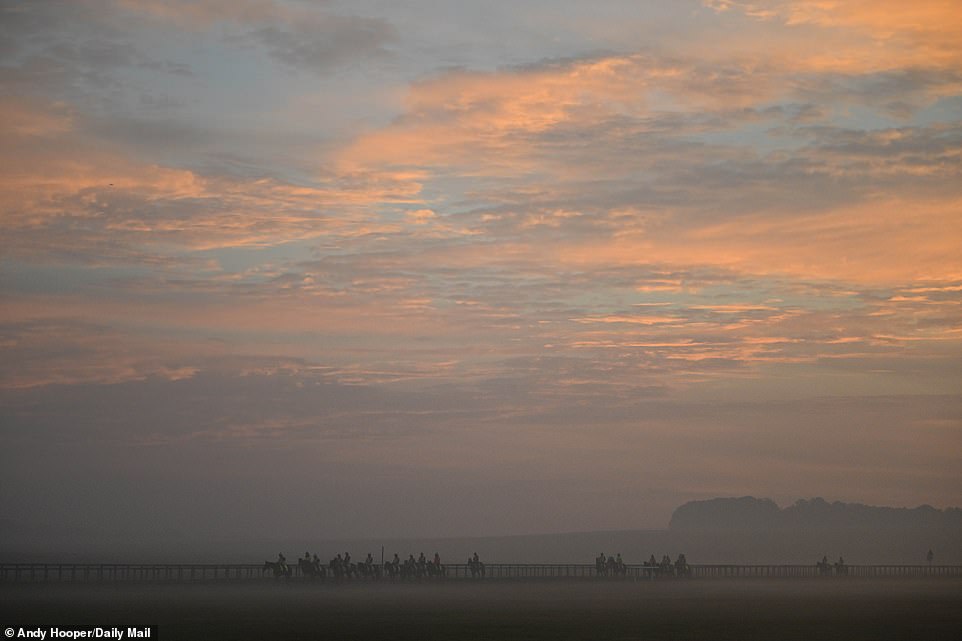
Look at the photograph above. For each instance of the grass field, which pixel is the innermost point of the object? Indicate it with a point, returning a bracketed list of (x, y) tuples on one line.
[(677, 610)]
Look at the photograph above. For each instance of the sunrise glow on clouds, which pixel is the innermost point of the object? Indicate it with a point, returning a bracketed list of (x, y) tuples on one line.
[(403, 256)]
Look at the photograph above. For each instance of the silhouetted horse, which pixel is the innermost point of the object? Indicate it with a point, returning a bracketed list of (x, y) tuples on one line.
[(612, 567), (682, 568), (337, 568), (392, 569), (367, 570), (477, 569), (823, 567), (665, 568), (840, 568), (311, 570), (280, 570)]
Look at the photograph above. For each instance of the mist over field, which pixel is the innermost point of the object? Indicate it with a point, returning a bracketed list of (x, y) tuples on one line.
[(744, 530), (789, 610)]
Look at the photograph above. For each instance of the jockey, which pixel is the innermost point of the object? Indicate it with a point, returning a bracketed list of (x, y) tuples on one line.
[(281, 562)]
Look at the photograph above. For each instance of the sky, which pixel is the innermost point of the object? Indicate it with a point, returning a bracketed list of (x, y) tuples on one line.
[(371, 268)]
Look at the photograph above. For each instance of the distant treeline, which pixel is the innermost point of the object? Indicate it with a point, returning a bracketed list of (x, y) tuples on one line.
[(750, 513)]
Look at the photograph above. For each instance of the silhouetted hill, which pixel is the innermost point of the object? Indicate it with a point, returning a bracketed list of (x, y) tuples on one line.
[(751, 530), (749, 512), (725, 514), (819, 513)]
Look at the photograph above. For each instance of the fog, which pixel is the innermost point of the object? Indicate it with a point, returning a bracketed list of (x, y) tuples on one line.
[(722, 530), (860, 547), (750, 609)]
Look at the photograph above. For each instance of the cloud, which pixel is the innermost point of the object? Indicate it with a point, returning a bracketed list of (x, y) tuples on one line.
[(321, 44), (66, 195), (341, 447), (497, 119), (927, 30), (579, 181), (27, 119), (77, 52), (302, 38), (207, 12), (570, 162)]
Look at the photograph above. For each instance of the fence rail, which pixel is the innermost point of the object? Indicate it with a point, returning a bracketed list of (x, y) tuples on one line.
[(207, 572)]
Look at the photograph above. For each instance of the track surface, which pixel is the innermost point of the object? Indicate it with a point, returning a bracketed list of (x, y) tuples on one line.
[(711, 609)]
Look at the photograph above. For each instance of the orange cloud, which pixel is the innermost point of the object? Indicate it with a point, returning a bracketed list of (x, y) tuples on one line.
[(488, 123), (53, 178), (462, 114), (30, 119), (885, 241), (926, 32), (593, 167)]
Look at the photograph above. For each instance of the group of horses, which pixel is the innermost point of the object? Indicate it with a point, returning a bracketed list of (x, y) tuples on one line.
[(313, 568), (832, 569), (610, 566), (666, 568), (411, 569), (341, 567), (614, 567), (476, 567)]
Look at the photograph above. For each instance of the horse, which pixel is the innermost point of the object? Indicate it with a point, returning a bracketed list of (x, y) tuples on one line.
[(311, 569), (336, 566), (409, 569), (393, 569), (840, 568), (281, 570), (601, 568), (665, 568), (477, 569), (824, 567), (369, 570), (612, 567)]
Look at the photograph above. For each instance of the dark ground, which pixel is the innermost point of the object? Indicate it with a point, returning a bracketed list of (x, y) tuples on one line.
[(902, 609)]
